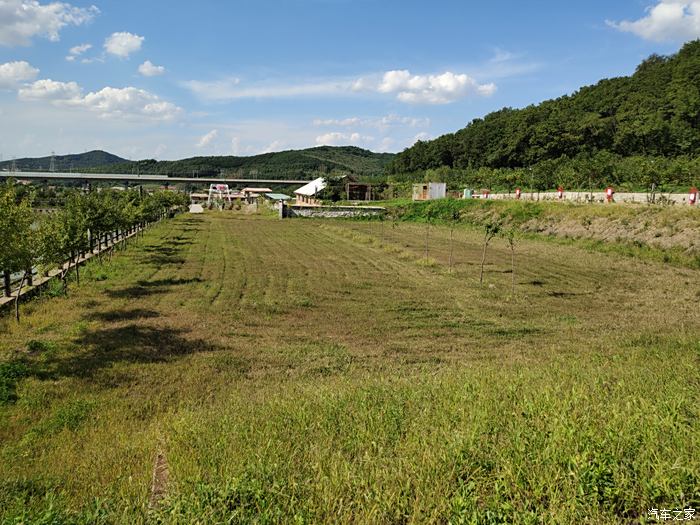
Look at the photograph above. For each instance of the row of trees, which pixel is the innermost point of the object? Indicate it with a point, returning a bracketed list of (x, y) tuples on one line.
[(654, 113), (582, 173), (86, 222)]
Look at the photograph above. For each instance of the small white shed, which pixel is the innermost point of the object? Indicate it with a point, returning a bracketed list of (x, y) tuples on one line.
[(429, 190)]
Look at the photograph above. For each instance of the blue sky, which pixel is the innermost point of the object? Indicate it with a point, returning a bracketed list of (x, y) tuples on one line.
[(175, 79)]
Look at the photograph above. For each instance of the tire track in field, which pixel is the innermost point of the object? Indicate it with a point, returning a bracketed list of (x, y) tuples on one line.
[(222, 277)]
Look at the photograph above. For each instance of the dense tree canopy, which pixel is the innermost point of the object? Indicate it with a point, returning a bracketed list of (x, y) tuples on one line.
[(653, 114)]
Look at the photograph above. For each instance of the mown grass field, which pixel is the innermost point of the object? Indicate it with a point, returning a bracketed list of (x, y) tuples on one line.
[(309, 371)]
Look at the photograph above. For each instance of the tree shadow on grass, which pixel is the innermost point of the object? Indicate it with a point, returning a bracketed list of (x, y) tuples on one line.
[(134, 343), (115, 316), (170, 282), (166, 251), (564, 295), (147, 288), (169, 253), (177, 242), (135, 292)]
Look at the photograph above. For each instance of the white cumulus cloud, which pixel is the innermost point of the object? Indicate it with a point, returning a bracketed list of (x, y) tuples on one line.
[(337, 138), (76, 51), (21, 20), (149, 69), (668, 20), (384, 122), (127, 103), (275, 145), (205, 140), (431, 89), (427, 89), (122, 44), (12, 74), (48, 89), (352, 121)]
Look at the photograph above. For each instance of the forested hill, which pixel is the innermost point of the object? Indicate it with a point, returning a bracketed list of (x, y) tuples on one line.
[(75, 162), (653, 113), (280, 165)]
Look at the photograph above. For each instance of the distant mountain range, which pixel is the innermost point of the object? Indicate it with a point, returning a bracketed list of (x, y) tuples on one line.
[(75, 162), (280, 165)]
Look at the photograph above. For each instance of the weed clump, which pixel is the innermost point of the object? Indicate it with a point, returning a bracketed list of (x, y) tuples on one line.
[(10, 374)]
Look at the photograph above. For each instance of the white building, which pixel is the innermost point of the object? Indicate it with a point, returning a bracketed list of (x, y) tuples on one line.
[(307, 194)]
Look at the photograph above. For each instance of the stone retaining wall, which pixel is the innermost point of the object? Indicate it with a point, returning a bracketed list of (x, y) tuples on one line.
[(333, 211)]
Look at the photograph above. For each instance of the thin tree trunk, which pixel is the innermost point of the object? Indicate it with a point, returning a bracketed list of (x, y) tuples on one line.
[(6, 283), (77, 270), (30, 277), (427, 230), (19, 292), (483, 260), (512, 266), (451, 237)]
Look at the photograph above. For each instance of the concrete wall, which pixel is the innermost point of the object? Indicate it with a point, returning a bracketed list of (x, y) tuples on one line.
[(596, 197), (333, 211)]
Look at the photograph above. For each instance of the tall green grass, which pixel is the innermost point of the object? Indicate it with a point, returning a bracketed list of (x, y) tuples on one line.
[(312, 372)]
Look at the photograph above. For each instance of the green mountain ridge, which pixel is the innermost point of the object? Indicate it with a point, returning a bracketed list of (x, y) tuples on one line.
[(640, 129), (277, 165), (291, 164), (71, 162)]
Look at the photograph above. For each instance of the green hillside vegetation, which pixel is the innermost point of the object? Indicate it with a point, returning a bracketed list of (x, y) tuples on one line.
[(667, 234), (280, 165), (74, 162), (628, 131)]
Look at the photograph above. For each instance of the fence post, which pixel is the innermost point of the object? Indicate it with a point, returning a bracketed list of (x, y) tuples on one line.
[(6, 283)]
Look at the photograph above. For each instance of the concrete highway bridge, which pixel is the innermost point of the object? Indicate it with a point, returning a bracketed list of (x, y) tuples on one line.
[(138, 179)]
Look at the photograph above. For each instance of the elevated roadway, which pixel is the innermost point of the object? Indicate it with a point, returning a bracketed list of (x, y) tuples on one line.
[(139, 179)]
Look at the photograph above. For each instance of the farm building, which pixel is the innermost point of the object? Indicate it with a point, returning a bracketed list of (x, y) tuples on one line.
[(307, 194), (251, 194), (277, 197), (359, 191), (429, 190)]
